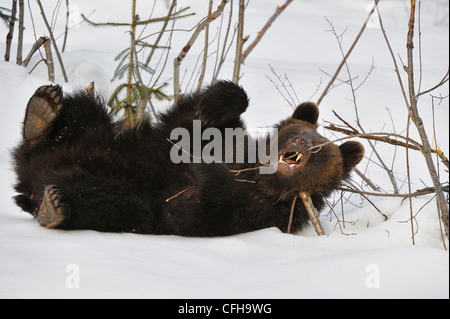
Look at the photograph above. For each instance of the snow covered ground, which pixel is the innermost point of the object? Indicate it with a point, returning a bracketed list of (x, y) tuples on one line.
[(370, 258)]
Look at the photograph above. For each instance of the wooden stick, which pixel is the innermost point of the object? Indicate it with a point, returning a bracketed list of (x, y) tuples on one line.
[(312, 212), (292, 214), (35, 47), (53, 41), (50, 65)]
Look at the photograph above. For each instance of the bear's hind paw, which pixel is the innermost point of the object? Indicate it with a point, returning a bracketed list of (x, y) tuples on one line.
[(53, 212), (42, 110)]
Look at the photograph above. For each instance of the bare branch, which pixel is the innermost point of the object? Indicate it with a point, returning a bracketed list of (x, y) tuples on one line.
[(35, 47), (20, 36), (261, 33), (145, 22), (443, 81), (312, 212), (422, 192), (240, 42), (61, 64), (348, 53), (291, 215), (205, 50), (66, 28), (426, 149), (188, 46), (9, 36), (155, 45), (49, 61)]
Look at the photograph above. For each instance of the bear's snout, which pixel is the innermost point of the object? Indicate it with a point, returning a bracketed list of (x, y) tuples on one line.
[(299, 143)]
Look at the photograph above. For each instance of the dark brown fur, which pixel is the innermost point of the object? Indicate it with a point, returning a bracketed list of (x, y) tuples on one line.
[(110, 179)]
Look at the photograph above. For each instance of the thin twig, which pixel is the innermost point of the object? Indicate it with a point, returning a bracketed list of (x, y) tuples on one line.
[(358, 120), (66, 29), (187, 47), (180, 193), (240, 43), (423, 192), (348, 54), (384, 137), (292, 102), (205, 50), (180, 148), (175, 15), (155, 45), (442, 82), (261, 33), (224, 52), (376, 136)]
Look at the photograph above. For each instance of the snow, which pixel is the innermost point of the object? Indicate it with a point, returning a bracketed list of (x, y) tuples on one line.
[(370, 258)]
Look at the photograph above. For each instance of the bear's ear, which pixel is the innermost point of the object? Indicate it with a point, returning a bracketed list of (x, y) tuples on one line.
[(352, 153), (307, 111)]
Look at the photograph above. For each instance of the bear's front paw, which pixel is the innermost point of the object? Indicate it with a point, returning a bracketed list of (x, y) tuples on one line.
[(42, 110), (221, 103), (54, 211)]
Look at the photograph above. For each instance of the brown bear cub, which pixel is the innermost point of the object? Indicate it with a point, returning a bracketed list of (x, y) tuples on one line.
[(77, 168)]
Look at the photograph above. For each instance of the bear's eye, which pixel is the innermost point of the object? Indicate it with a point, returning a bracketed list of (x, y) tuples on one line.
[(301, 133)]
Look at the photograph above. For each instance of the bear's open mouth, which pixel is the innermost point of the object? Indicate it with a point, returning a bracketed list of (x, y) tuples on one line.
[(293, 159)]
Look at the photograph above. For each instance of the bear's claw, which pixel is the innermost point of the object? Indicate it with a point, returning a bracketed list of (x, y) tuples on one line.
[(42, 110), (53, 211)]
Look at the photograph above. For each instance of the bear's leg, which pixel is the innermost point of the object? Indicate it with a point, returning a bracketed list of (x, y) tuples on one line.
[(42, 110), (54, 212), (222, 104), (219, 105), (60, 134), (89, 203), (51, 120)]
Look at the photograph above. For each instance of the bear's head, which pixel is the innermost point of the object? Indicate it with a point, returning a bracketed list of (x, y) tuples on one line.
[(308, 160)]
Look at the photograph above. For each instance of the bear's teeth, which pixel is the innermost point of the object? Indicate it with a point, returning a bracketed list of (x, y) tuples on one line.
[(299, 157)]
